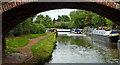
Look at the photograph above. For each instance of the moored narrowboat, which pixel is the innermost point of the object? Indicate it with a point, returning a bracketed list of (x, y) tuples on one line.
[(112, 34), (76, 31)]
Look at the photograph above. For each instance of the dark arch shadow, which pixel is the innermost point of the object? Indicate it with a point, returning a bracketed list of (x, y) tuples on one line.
[(13, 17)]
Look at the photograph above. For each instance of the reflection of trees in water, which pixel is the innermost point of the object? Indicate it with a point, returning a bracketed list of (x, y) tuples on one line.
[(106, 48), (64, 39), (81, 41)]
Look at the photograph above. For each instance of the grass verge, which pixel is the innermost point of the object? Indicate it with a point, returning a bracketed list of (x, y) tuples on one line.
[(30, 36), (20, 41), (10, 50), (16, 42), (44, 48)]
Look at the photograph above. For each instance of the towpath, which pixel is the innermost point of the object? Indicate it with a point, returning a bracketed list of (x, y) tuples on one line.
[(18, 58)]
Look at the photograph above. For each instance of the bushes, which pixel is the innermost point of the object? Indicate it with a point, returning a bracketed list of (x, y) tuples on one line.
[(66, 25), (40, 28), (53, 26), (27, 27)]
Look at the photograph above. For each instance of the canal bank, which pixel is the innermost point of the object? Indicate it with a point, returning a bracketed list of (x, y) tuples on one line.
[(42, 51), (42, 45)]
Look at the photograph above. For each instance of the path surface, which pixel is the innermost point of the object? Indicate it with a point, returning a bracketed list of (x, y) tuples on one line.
[(18, 58)]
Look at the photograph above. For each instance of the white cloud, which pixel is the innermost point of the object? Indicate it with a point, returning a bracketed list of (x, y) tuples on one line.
[(54, 13)]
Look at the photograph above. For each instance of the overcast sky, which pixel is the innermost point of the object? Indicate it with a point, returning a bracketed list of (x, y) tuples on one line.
[(54, 13)]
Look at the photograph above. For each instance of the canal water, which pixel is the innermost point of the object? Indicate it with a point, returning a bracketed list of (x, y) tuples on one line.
[(84, 49)]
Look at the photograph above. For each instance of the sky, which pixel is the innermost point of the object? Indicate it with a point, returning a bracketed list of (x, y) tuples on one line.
[(54, 13)]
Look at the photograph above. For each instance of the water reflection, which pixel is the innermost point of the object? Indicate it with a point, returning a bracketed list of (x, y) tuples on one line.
[(82, 49)]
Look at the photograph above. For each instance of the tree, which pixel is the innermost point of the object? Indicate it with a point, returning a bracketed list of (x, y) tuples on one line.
[(97, 20), (109, 23), (48, 21), (40, 28), (45, 20), (59, 18), (63, 18), (39, 19), (54, 20), (27, 27), (78, 18), (82, 18), (88, 19)]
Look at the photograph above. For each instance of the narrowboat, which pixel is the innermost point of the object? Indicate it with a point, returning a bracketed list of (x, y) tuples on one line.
[(113, 35), (76, 31)]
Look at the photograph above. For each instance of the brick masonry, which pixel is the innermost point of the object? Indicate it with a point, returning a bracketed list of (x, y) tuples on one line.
[(11, 5)]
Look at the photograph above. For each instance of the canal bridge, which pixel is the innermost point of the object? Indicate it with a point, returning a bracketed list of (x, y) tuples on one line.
[(14, 13)]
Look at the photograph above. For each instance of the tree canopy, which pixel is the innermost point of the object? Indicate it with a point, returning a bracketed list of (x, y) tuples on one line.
[(82, 18), (27, 27), (45, 20), (63, 18)]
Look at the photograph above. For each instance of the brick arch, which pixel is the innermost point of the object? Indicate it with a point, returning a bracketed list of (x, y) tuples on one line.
[(12, 17), (18, 14)]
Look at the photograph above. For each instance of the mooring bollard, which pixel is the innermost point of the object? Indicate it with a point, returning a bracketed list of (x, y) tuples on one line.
[(118, 46)]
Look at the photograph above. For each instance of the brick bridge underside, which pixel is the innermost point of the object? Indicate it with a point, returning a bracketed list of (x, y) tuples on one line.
[(14, 16)]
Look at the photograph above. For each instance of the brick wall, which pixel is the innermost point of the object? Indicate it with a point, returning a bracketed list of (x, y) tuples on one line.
[(11, 5)]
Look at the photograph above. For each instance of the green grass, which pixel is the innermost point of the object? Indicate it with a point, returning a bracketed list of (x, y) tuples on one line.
[(30, 36), (20, 41), (10, 50), (16, 42), (44, 48)]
